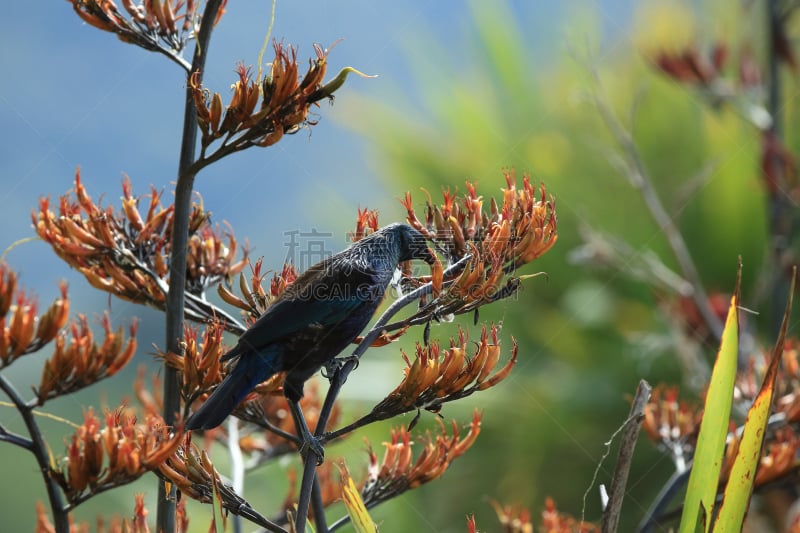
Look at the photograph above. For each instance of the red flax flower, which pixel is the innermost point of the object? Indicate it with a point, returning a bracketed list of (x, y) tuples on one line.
[(671, 422), (555, 522), (100, 458), (193, 473), (399, 472), (255, 298), (156, 25), (199, 365), (22, 330), (115, 525), (777, 458), (438, 375), (515, 519), (124, 252), (285, 100), (516, 231), (79, 362)]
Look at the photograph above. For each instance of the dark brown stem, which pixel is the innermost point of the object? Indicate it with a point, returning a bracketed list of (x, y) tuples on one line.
[(40, 450), (165, 517), (780, 217), (624, 457)]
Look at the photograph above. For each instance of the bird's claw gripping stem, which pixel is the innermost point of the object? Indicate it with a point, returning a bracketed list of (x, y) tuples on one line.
[(336, 364)]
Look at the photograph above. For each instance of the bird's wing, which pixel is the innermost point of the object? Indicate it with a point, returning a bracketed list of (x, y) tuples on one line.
[(290, 316)]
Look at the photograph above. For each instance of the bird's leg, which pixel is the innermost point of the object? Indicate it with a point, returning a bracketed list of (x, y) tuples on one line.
[(309, 443)]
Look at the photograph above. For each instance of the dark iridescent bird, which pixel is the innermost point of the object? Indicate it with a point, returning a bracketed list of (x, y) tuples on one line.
[(312, 321)]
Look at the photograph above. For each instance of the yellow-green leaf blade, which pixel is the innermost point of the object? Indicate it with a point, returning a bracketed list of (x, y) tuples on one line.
[(362, 521), (702, 489), (740, 484)]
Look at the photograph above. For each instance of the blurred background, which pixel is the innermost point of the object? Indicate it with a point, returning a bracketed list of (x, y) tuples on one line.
[(463, 90)]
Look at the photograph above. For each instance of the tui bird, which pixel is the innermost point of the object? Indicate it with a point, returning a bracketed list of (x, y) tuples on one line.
[(311, 322)]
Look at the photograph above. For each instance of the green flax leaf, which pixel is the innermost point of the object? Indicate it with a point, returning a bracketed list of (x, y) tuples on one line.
[(702, 489), (743, 473)]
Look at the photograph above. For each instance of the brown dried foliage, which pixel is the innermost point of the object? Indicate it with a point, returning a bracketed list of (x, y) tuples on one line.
[(22, 330), (125, 252), (100, 458), (399, 472), (80, 362)]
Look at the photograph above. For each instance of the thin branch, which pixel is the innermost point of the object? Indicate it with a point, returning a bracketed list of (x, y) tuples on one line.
[(165, 518), (625, 456), (17, 440), (640, 179), (780, 212), (39, 448)]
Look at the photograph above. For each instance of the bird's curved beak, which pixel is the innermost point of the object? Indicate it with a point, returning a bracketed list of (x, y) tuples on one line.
[(428, 256)]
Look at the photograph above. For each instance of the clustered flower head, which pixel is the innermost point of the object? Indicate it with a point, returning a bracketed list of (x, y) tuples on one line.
[(138, 523), (79, 361), (152, 24), (199, 365), (22, 330), (670, 422), (499, 240), (777, 458), (438, 375), (194, 475), (690, 66), (255, 298), (100, 458), (513, 518), (787, 383), (556, 522), (125, 252), (285, 100), (399, 472)]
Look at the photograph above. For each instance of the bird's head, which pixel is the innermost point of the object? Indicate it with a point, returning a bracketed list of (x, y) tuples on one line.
[(412, 243)]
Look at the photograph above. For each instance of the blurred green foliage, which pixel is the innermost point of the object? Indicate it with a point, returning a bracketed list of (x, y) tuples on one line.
[(493, 107), (586, 335)]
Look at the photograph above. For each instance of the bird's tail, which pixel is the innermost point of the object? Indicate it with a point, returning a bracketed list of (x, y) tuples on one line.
[(250, 370)]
